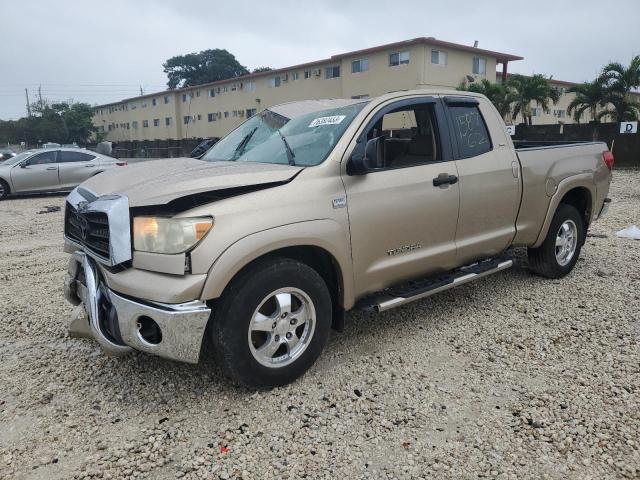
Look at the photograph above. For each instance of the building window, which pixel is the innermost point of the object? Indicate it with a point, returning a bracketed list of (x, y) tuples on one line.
[(197, 93), (438, 57), (132, 106), (562, 90), (134, 124), (479, 65), (274, 82), (361, 65), (167, 121), (332, 72), (536, 112), (295, 76), (166, 99), (211, 117), (187, 119), (250, 86), (184, 97), (156, 122), (251, 112), (212, 92), (559, 113), (154, 102), (226, 114), (356, 97), (398, 58), (307, 74), (145, 123)]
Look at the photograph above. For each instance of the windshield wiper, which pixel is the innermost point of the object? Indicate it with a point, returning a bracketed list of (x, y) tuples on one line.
[(243, 143), (290, 155)]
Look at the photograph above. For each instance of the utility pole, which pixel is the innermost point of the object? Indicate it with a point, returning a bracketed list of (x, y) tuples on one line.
[(141, 91), (26, 92), (40, 95)]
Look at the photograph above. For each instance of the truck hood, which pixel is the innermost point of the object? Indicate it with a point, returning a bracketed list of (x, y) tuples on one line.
[(159, 182)]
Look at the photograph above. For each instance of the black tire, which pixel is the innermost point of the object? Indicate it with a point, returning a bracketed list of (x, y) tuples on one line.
[(543, 260), (4, 189), (233, 314)]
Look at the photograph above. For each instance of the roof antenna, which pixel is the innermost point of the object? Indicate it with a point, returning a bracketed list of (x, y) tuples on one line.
[(475, 44)]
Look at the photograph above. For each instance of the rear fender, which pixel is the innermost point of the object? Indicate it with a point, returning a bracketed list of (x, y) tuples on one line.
[(583, 180)]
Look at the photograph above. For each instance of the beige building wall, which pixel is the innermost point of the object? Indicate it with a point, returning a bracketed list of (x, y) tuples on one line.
[(214, 109)]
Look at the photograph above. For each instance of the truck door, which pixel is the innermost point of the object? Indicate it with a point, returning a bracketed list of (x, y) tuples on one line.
[(403, 225), (490, 186), (39, 172)]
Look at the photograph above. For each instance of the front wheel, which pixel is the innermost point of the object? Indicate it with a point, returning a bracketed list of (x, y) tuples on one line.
[(4, 189), (272, 323), (560, 250)]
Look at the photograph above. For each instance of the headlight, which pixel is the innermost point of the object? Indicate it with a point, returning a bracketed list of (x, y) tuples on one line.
[(169, 235)]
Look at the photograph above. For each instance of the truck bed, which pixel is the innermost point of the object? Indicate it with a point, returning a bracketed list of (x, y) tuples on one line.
[(543, 166)]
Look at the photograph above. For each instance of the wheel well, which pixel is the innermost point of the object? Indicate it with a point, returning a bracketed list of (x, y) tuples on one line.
[(580, 198), (322, 262)]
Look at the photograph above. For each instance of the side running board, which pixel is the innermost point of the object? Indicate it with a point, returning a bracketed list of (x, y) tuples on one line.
[(417, 289)]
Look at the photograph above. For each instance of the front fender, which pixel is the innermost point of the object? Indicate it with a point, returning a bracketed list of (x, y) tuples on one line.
[(326, 234), (583, 180)]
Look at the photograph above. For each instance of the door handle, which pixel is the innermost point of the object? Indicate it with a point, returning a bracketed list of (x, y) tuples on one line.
[(445, 179), (52, 168), (90, 165)]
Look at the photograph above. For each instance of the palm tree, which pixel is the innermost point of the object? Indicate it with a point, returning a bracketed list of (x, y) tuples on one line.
[(619, 81), (498, 94), (590, 96), (526, 90)]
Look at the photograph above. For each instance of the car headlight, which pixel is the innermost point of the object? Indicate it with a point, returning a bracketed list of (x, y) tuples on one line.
[(169, 235)]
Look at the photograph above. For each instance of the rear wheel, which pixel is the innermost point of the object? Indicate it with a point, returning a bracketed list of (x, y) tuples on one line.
[(4, 189), (560, 250), (272, 323)]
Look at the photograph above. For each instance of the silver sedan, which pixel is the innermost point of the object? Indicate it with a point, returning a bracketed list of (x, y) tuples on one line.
[(51, 169)]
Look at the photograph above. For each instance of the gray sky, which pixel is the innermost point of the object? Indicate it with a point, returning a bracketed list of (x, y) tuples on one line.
[(99, 52)]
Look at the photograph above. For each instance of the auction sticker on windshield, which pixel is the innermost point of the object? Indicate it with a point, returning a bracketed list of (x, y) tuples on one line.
[(333, 120)]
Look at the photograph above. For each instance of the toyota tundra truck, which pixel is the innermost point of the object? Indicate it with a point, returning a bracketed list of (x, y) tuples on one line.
[(310, 209)]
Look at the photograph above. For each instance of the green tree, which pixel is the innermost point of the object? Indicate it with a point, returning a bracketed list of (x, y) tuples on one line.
[(500, 95), (261, 69), (527, 90), (58, 122), (203, 67), (619, 82), (591, 96)]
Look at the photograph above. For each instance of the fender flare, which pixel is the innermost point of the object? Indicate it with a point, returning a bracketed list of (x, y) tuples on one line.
[(325, 234), (582, 180)]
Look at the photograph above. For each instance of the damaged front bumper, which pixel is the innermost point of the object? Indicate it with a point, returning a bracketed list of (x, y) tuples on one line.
[(121, 324)]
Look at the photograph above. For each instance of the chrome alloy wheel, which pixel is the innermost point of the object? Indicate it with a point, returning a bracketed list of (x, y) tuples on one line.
[(2, 191), (281, 327), (566, 242)]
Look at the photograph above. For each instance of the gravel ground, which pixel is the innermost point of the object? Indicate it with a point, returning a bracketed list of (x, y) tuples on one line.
[(514, 376)]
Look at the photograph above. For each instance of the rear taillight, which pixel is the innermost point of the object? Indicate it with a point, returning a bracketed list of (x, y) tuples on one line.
[(608, 159), (122, 164)]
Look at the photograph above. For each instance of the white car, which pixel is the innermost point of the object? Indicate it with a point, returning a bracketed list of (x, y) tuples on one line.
[(51, 169)]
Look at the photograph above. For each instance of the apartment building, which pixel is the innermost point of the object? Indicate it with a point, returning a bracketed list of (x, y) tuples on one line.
[(214, 109)]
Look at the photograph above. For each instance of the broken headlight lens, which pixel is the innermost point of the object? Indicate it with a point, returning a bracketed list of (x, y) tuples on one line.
[(169, 235)]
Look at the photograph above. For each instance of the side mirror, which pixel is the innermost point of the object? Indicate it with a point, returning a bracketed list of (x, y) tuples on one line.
[(24, 164), (373, 158)]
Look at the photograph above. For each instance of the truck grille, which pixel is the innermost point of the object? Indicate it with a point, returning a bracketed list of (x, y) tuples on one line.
[(90, 229)]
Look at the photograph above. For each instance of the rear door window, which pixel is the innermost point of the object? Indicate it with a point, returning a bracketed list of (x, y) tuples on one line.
[(469, 130), (67, 157)]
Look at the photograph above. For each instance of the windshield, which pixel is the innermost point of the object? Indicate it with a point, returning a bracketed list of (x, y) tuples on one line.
[(17, 158), (271, 138)]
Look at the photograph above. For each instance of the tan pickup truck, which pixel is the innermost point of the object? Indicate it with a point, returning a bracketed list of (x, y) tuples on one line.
[(310, 209)]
